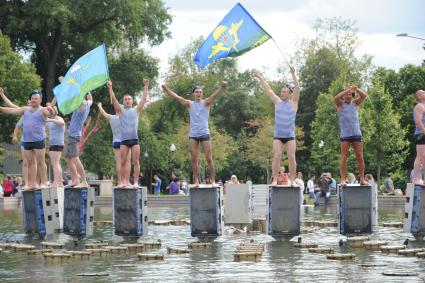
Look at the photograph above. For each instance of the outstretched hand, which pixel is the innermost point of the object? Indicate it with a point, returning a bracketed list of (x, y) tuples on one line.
[(256, 74), (223, 84), (145, 82), (60, 79), (292, 69), (99, 104), (109, 84), (164, 87), (1, 91)]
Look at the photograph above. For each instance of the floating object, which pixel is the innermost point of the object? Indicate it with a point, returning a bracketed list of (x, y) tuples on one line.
[(393, 224), (57, 257), (355, 209), (308, 223), (129, 215), (421, 255), (98, 252), (392, 249), (321, 250), (178, 250), (22, 247), (248, 256), (150, 256), (52, 245), (284, 217), (410, 252), (372, 265), (238, 204), (179, 222), (151, 245), (80, 254), (38, 252), (199, 245), (206, 212), (249, 251), (95, 245), (93, 274), (134, 247), (357, 241), (326, 223), (102, 223), (116, 249), (374, 245), (162, 222), (78, 211), (414, 210), (306, 245), (399, 273), (6, 245), (337, 256)]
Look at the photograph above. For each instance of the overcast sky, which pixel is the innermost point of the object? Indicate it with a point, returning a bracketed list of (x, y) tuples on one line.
[(289, 21)]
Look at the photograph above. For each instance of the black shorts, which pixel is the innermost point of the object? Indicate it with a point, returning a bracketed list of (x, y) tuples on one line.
[(116, 145), (34, 145), (351, 139), (420, 139), (201, 138), (56, 148), (284, 140), (130, 143)]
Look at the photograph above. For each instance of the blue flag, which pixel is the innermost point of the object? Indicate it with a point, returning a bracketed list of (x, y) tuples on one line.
[(87, 73), (236, 34)]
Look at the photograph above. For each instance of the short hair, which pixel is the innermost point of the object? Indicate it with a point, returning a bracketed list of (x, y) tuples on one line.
[(291, 89), (35, 91), (196, 87)]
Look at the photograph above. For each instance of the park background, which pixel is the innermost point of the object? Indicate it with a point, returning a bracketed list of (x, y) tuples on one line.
[(39, 40)]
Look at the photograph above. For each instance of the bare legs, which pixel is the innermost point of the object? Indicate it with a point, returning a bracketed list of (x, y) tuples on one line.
[(358, 151), (419, 160), (77, 172), (193, 148), (24, 168), (125, 154), (291, 148), (55, 157)]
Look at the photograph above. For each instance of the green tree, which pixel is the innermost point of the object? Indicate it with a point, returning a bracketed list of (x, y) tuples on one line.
[(17, 78), (56, 33), (387, 147)]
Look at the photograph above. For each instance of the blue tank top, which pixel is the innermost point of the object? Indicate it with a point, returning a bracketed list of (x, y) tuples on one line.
[(116, 128), (198, 114), (129, 120), (56, 134), (77, 121), (284, 120), (34, 126), (417, 129), (349, 124)]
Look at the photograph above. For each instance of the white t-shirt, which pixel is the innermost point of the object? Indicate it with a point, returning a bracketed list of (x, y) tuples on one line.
[(300, 184), (310, 186)]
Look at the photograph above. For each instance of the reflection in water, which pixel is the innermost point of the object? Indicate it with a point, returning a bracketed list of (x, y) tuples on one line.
[(280, 261)]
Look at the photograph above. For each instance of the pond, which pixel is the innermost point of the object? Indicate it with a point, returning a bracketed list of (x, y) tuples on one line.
[(281, 261)]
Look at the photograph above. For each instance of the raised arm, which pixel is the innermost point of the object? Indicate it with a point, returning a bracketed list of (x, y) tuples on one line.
[(339, 96), (115, 103), (12, 111), (210, 100), (142, 102), (57, 120), (362, 96), (102, 111), (181, 100), (296, 94), (6, 100), (266, 87)]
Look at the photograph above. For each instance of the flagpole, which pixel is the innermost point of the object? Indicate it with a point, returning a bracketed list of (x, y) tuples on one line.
[(281, 53)]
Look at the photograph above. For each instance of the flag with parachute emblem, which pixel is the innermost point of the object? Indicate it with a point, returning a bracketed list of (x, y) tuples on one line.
[(89, 72), (236, 34)]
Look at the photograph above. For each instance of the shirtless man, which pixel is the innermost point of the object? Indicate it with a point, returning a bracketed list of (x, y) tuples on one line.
[(199, 133), (350, 134), (129, 121), (286, 107), (73, 161), (419, 118), (34, 136)]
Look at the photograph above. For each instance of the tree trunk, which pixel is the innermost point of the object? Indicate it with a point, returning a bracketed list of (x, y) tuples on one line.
[(52, 57)]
